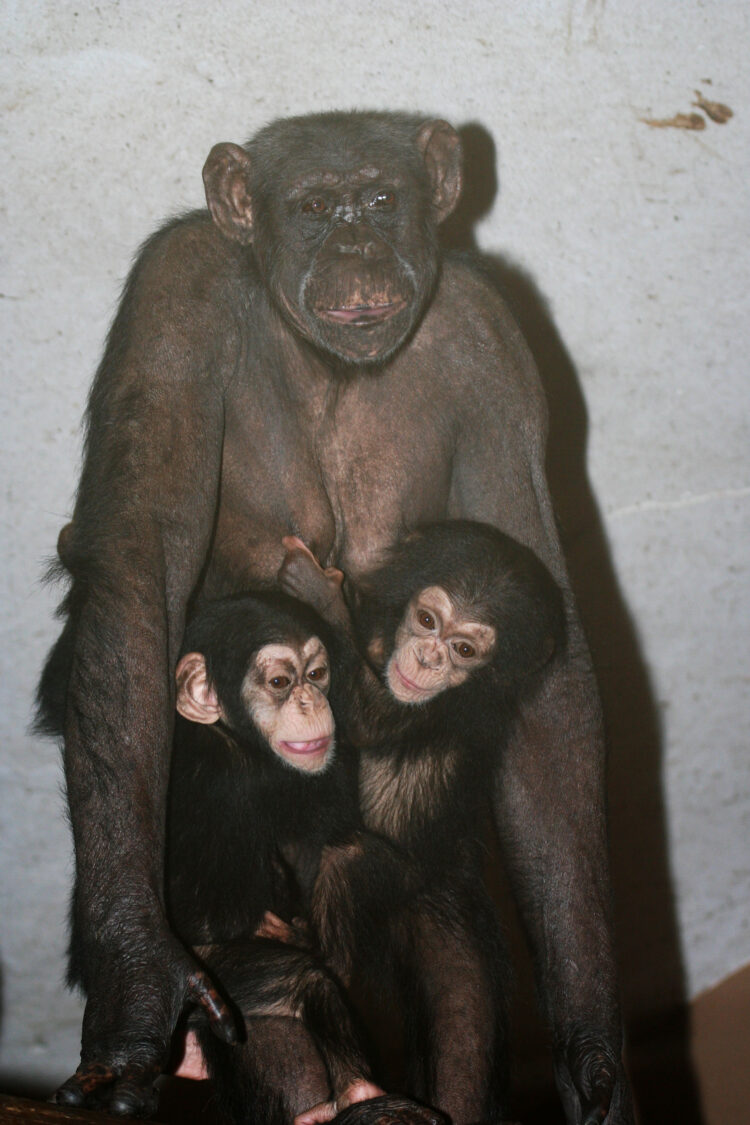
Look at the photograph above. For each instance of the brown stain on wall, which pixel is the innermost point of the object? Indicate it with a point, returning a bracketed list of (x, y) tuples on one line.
[(715, 111)]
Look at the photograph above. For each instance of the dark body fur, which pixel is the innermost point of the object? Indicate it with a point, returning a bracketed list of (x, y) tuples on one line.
[(454, 737), (245, 834), (214, 428), (245, 830), (423, 775)]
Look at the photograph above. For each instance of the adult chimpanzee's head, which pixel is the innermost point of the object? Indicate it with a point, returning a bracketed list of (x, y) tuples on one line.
[(453, 599), (342, 211), (257, 663)]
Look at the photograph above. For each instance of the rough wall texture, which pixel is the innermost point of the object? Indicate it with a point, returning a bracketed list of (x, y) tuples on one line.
[(624, 249)]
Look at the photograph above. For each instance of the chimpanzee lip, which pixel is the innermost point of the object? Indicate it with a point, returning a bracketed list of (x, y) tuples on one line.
[(409, 683), (362, 315), (314, 746)]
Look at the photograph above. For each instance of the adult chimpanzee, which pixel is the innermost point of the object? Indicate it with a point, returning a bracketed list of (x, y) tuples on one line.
[(256, 790), (300, 361), (446, 637)]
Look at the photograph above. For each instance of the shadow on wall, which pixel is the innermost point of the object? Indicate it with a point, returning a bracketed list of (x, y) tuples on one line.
[(652, 978)]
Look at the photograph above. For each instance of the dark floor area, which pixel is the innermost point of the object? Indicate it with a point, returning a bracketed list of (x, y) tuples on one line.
[(709, 1086)]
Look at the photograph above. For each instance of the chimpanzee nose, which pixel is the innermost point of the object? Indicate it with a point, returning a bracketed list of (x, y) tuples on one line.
[(308, 697), (430, 654), (304, 696), (356, 238)]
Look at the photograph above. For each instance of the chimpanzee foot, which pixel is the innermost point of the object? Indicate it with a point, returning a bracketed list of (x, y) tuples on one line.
[(388, 1109), (128, 1092)]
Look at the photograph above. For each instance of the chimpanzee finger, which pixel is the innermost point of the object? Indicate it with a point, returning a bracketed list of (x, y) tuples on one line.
[(203, 993), (333, 574), (133, 1094), (593, 1069), (127, 1094), (595, 1109), (294, 543), (83, 1086)]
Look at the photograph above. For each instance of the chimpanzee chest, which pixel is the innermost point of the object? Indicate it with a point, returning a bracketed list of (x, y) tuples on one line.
[(347, 473)]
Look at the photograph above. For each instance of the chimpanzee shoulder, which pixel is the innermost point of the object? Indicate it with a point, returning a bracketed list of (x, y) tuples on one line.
[(188, 265), (473, 329)]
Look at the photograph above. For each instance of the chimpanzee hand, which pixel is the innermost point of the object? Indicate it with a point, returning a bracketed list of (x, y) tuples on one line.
[(301, 575), (128, 1023), (390, 1109), (355, 1107), (591, 1081), (296, 932)]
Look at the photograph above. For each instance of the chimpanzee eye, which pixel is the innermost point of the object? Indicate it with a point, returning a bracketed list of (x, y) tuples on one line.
[(425, 619), (316, 206), (384, 199), (318, 673), (465, 650), (280, 681)]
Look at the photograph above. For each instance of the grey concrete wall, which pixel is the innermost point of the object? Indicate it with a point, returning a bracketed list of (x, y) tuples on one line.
[(625, 249)]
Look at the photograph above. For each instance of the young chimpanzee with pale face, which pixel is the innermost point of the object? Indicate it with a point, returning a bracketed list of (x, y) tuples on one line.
[(444, 639), (257, 789)]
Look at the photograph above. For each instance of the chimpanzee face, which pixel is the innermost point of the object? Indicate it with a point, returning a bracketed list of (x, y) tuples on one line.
[(438, 645), (283, 698), (356, 267), (285, 694), (343, 228)]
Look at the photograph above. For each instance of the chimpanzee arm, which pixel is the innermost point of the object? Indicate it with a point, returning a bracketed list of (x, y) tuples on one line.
[(302, 576), (140, 533), (549, 801)]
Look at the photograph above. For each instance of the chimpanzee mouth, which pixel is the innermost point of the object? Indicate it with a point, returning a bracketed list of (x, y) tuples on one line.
[(314, 746), (362, 316), (406, 681)]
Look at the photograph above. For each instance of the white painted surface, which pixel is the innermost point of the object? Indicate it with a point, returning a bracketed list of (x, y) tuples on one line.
[(636, 237)]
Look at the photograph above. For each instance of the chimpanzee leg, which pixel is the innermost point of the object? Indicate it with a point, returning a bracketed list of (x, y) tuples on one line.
[(275, 1074), (454, 982), (362, 889), (550, 814), (301, 1043), (372, 912)]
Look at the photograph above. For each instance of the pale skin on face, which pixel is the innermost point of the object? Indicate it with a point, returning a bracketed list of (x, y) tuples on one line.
[(284, 691), (438, 646)]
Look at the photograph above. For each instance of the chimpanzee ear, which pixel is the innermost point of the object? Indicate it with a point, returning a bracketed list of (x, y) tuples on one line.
[(226, 179), (440, 146), (196, 698)]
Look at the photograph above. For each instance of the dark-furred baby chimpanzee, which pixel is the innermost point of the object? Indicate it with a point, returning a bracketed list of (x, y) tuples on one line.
[(300, 359), (444, 636), (257, 789)]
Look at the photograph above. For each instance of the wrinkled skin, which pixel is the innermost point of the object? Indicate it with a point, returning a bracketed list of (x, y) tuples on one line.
[(299, 362), (437, 647)]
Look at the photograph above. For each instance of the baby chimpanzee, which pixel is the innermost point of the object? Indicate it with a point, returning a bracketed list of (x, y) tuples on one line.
[(257, 789), (441, 642)]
